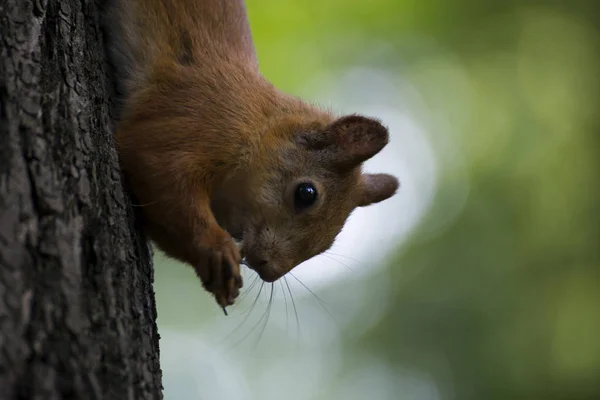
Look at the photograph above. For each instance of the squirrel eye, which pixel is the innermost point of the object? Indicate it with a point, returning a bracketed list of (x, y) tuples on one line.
[(305, 195)]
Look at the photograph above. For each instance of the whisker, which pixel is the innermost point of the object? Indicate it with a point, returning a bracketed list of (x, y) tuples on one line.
[(259, 321), (268, 314), (247, 312), (321, 302), (262, 284), (341, 255), (286, 308), (337, 261), (298, 329), (249, 289)]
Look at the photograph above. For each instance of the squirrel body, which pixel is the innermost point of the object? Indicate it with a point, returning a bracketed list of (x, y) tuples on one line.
[(213, 151)]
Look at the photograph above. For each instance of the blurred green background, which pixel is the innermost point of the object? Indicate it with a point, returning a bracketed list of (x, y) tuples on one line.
[(493, 293)]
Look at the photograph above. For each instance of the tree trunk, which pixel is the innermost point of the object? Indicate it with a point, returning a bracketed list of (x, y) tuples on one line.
[(77, 311)]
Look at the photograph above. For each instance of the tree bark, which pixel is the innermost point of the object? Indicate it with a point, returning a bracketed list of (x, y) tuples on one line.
[(77, 311)]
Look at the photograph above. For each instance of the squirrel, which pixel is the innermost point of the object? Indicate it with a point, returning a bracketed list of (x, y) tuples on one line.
[(216, 155)]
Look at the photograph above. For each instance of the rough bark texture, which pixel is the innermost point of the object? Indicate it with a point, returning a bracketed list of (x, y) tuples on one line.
[(77, 312)]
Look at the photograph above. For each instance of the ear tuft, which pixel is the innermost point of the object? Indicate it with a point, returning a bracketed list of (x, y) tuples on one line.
[(377, 187), (349, 140)]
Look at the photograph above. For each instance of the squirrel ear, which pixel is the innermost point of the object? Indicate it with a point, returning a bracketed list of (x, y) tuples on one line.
[(348, 141), (377, 187)]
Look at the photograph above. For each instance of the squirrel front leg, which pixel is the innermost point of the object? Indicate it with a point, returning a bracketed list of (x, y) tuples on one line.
[(219, 257), (197, 238), (172, 173)]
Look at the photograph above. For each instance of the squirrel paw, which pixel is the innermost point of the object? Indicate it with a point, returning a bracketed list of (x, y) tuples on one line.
[(220, 273)]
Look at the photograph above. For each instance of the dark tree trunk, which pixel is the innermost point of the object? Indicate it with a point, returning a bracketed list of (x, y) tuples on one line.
[(77, 312)]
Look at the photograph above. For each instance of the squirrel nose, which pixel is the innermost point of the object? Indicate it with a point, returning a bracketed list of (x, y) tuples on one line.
[(266, 270), (261, 263), (257, 262)]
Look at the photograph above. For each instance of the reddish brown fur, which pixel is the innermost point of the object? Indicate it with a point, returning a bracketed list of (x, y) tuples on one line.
[(211, 148)]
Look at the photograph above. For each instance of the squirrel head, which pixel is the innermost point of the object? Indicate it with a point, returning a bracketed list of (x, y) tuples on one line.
[(292, 199)]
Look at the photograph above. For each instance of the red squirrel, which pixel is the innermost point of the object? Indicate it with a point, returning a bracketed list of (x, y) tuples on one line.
[(213, 151)]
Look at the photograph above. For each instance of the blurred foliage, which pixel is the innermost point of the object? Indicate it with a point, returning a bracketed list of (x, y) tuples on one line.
[(505, 301), (502, 301)]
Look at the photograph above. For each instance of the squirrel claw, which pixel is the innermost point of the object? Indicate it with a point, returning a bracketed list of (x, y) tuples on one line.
[(220, 273)]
